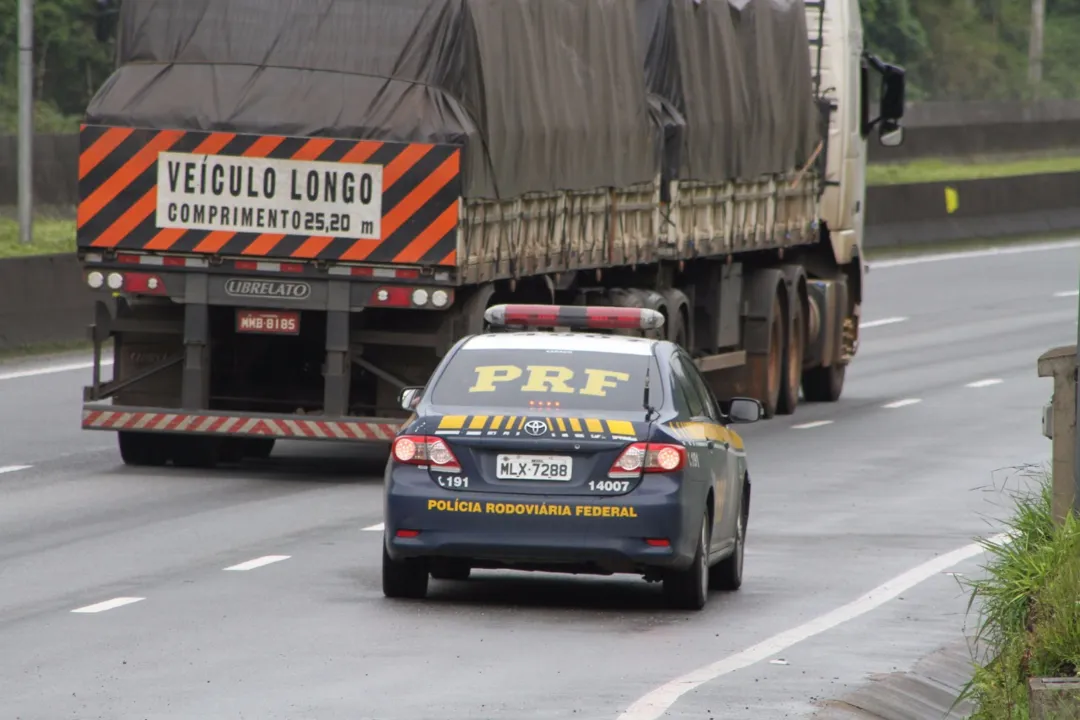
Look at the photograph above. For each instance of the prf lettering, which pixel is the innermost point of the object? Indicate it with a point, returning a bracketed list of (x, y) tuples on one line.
[(547, 379)]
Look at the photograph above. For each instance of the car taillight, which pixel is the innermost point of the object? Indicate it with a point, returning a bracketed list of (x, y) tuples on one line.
[(650, 457), (424, 450)]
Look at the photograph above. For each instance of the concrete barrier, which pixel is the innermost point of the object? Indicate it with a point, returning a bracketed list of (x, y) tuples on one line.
[(43, 300), (903, 215)]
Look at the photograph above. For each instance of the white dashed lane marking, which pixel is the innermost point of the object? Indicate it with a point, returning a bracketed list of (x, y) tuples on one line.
[(375, 528), (1067, 293), (13, 468), (258, 562), (902, 403), (883, 321), (984, 383), (811, 425), (108, 605)]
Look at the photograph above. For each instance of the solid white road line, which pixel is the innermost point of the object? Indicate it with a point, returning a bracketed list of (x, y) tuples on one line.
[(259, 562), (376, 528), (656, 703), (902, 403), (108, 605), (1067, 293), (984, 383), (50, 370), (810, 425), (14, 468), (966, 255), (883, 321)]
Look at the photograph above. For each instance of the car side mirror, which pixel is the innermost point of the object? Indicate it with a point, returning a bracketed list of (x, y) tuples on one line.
[(744, 410), (409, 397)]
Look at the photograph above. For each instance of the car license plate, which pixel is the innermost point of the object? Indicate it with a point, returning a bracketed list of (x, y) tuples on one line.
[(533, 467), (274, 322)]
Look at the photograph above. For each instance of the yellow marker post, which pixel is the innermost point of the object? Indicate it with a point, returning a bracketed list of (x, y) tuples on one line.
[(952, 200)]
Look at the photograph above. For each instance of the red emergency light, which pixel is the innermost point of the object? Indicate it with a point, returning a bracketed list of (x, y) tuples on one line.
[(594, 317)]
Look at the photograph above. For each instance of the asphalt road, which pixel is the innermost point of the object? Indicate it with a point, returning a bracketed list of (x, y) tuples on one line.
[(846, 498)]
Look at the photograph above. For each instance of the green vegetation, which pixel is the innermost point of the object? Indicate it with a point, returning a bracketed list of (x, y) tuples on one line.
[(54, 232), (974, 49), (938, 170), (1029, 608)]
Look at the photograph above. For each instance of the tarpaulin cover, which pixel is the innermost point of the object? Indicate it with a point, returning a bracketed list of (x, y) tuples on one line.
[(544, 94), (732, 82)]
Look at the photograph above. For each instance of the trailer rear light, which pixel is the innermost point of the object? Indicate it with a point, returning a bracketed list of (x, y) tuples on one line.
[(391, 297), (95, 280), (594, 317), (648, 457), (425, 450), (115, 281), (143, 284), (403, 297)]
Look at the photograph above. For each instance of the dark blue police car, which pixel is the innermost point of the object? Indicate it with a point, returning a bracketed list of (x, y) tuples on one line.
[(568, 452)]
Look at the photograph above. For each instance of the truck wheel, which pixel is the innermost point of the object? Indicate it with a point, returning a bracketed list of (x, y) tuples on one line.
[(794, 349), (689, 589), (143, 449), (403, 578), (258, 448), (196, 452), (824, 384), (727, 574), (767, 370)]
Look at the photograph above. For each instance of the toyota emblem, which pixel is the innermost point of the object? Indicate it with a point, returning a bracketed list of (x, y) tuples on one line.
[(536, 427)]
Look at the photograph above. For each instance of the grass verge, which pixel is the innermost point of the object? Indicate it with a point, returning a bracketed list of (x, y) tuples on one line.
[(978, 168), (53, 232), (1029, 608)]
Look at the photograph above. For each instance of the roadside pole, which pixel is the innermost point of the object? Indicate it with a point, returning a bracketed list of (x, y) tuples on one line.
[(1076, 409), (26, 120)]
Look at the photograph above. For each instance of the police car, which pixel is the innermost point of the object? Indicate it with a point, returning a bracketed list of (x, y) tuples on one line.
[(578, 452)]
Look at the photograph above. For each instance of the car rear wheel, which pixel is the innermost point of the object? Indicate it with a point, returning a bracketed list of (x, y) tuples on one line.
[(450, 570), (689, 589), (727, 574), (403, 578)]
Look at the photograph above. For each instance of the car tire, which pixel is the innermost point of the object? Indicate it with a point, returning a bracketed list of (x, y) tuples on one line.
[(689, 589), (403, 578), (450, 571), (727, 574)]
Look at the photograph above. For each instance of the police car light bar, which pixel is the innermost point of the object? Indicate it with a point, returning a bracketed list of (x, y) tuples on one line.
[(595, 317)]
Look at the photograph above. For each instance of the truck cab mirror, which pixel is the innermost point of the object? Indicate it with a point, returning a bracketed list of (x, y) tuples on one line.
[(893, 137), (744, 410), (409, 397)]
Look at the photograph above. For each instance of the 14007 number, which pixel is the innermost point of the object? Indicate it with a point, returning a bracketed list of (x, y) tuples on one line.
[(609, 485)]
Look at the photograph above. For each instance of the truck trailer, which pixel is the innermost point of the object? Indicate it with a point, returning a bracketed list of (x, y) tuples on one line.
[(291, 211)]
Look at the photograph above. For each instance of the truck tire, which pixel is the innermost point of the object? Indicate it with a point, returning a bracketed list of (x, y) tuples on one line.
[(824, 384), (403, 578), (767, 370), (794, 350), (196, 452), (143, 449), (258, 448), (689, 589), (675, 324)]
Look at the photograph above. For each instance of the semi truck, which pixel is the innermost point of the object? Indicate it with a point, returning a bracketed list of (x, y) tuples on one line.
[(291, 211)]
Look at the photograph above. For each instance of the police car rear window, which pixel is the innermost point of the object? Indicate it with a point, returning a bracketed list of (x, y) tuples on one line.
[(555, 379)]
